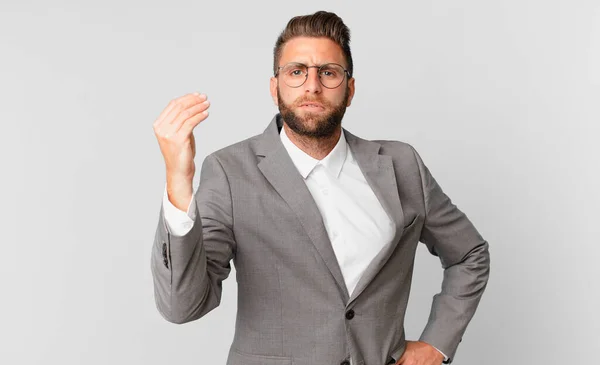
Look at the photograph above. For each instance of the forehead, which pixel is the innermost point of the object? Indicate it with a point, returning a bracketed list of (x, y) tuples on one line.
[(312, 51)]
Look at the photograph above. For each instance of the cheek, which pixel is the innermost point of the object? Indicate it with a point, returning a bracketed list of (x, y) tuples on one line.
[(336, 98), (288, 96)]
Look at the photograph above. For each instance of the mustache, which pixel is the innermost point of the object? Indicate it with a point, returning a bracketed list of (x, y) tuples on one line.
[(302, 100)]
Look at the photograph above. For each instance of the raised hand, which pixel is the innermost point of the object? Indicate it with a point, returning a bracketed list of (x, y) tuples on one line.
[(174, 131)]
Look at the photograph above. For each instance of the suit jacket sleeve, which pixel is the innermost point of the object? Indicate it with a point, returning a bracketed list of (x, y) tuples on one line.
[(464, 255), (188, 270)]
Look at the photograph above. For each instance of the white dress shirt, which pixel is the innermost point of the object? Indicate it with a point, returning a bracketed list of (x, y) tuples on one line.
[(356, 223)]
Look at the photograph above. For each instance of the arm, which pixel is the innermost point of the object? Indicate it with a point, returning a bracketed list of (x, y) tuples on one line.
[(188, 270), (448, 234)]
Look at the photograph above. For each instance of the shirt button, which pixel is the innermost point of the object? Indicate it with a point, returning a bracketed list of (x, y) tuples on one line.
[(350, 314), (325, 191)]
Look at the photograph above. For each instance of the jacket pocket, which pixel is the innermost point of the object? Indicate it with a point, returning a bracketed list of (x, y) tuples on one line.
[(239, 358)]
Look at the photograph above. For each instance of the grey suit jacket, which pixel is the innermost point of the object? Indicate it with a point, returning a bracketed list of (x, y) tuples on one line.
[(293, 306)]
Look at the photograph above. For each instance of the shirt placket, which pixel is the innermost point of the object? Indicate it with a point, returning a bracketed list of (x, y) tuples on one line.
[(323, 180)]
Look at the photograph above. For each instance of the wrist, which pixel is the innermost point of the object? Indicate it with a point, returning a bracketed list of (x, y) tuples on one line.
[(179, 192)]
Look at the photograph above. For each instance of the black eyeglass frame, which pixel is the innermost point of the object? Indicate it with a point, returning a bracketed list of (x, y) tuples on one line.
[(346, 73)]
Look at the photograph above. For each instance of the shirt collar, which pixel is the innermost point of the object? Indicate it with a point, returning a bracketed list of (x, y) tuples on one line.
[(306, 163)]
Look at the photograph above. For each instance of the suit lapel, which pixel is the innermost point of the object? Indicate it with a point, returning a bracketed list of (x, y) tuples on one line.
[(380, 175), (279, 169)]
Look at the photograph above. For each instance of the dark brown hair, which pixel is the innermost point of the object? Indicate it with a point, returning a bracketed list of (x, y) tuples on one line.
[(319, 24)]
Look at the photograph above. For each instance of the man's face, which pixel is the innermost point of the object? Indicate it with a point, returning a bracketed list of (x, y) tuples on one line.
[(309, 120)]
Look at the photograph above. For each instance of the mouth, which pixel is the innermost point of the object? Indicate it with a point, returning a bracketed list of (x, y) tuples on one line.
[(312, 106)]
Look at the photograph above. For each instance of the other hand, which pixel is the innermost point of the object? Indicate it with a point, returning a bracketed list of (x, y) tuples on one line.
[(420, 353)]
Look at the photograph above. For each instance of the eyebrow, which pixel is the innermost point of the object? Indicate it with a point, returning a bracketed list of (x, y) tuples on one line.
[(317, 65)]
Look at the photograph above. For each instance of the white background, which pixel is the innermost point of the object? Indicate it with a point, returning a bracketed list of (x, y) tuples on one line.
[(501, 99)]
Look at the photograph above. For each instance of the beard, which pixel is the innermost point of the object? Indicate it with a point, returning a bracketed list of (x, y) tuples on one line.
[(323, 124)]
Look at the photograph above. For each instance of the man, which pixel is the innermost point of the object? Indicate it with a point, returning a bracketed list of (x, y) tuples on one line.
[(321, 225)]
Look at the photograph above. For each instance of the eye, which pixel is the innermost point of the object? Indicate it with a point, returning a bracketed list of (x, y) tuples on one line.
[(295, 72), (329, 72)]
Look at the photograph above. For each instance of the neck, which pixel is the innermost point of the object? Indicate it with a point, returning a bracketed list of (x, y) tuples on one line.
[(316, 148)]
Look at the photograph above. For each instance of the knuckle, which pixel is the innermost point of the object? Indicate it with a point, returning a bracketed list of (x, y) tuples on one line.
[(176, 102)]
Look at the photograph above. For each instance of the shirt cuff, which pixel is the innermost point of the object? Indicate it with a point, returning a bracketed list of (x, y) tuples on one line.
[(445, 357), (179, 223)]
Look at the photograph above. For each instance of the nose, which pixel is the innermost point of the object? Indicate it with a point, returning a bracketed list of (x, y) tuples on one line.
[(312, 83)]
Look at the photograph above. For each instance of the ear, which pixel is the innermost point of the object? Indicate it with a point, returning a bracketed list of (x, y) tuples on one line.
[(273, 89), (351, 89)]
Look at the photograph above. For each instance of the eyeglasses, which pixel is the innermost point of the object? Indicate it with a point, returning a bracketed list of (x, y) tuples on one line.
[(294, 74)]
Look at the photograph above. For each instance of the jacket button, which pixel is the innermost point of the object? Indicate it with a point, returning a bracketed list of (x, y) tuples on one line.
[(350, 314), (345, 362)]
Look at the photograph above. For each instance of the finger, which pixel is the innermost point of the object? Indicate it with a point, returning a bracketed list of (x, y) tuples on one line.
[(188, 113), (164, 112), (173, 129), (165, 128), (176, 104), (188, 126), (183, 104)]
